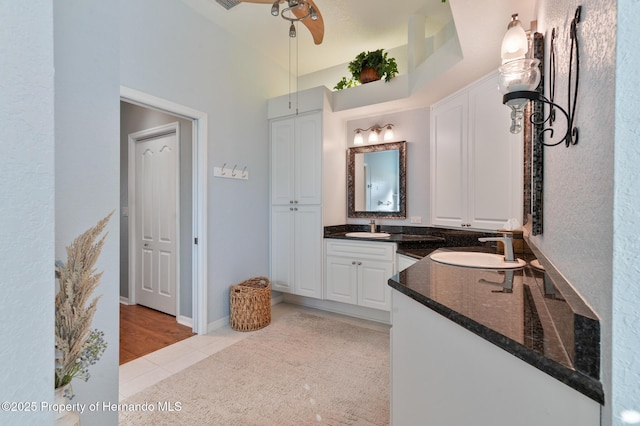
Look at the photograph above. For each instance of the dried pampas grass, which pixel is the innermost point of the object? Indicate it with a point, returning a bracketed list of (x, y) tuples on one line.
[(77, 346)]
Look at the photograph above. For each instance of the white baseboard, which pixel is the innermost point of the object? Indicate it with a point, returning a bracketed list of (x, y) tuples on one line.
[(277, 299), (213, 326), (124, 300), (340, 308), (185, 320)]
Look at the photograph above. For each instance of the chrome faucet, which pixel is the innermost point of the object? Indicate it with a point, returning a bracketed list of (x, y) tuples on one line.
[(507, 240), (372, 226)]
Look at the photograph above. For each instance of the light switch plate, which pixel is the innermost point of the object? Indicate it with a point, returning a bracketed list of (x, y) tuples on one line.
[(416, 219)]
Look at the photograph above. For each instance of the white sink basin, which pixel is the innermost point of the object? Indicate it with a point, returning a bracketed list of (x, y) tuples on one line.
[(476, 260), (368, 234)]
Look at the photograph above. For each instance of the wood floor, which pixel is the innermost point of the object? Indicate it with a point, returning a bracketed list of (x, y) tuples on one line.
[(144, 330)]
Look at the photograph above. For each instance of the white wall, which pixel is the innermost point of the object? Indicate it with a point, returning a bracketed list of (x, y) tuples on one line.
[(578, 181), (87, 157), (26, 208), (626, 220), (171, 52), (411, 126)]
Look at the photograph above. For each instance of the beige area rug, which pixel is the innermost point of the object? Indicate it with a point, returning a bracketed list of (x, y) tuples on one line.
[(301, 370)]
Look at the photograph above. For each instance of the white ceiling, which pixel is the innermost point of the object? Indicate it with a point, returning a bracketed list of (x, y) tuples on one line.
[(353, 26)]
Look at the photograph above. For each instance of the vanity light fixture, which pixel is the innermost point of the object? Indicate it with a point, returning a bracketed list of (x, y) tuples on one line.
[(520, 76), (374, 134)]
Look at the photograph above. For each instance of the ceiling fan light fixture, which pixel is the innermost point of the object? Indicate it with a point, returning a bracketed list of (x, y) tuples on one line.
[(292, 31), (313, 13), (275, 9)]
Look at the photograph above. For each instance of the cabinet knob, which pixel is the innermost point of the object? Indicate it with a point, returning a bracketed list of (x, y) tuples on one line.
[(353, 262), (290, 208), (295, 209), (295, 201), (359, 263), (290, 201)]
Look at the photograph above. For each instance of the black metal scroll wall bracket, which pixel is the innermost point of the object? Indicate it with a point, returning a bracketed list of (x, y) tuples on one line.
[(571, 135)]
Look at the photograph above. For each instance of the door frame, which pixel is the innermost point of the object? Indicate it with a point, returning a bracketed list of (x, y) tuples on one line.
[(199, 121), (133, 139)]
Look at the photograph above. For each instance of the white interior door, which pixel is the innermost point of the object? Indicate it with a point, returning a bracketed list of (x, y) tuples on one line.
[(156, 219)]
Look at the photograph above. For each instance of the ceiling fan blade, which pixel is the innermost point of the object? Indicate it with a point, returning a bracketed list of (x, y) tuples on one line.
[(256, 1), (315, 27)]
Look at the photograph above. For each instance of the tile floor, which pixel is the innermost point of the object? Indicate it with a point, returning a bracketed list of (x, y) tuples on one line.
[(143, 372)]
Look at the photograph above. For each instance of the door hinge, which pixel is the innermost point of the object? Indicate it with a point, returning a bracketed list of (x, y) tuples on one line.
[(195, 241)]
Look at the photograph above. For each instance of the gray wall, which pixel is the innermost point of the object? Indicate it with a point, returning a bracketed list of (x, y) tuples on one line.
[(626, 218), (87, 156), (134, 118), (176, 54), (579, 181), (26, 207), (411, 126)]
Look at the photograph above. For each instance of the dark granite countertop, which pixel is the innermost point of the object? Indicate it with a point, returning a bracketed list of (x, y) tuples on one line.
[(541, 320), (414, 241)]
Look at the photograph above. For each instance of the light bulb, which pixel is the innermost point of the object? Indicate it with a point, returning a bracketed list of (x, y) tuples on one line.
[(292, 31), (514, 43), (388, 133), (373, 136), (275, 9)]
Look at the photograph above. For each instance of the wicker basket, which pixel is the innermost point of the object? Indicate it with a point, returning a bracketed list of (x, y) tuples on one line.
[(250, 304)]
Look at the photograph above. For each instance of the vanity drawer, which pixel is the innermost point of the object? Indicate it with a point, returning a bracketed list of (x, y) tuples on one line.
[(361, 249)]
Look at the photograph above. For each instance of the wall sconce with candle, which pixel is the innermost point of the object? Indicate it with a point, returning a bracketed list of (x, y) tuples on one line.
[(519, 77), (374, 135)]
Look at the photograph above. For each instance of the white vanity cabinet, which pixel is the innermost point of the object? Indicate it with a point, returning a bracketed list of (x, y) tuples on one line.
[(404, 262), (476, 163), (443, 374), (296, 209), (357, 272)]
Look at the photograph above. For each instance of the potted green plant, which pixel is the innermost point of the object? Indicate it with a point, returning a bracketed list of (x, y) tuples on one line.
[(372, 66), (368, 67)]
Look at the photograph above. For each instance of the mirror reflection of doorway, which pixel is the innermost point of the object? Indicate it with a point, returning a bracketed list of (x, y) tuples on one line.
[(378, 179)]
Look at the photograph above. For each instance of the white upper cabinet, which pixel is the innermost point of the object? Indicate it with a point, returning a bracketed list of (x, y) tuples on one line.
[(476, 163), (296, 159)]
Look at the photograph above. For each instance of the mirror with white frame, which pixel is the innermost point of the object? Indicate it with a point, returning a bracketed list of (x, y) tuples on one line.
[(377, 180)]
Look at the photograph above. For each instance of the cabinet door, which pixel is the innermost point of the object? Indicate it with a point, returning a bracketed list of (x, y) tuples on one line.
[(282, 161), (494, 158), (282, 248), (308, 251), (308, 159), (341, 279), (373, 290), (448, 162)]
